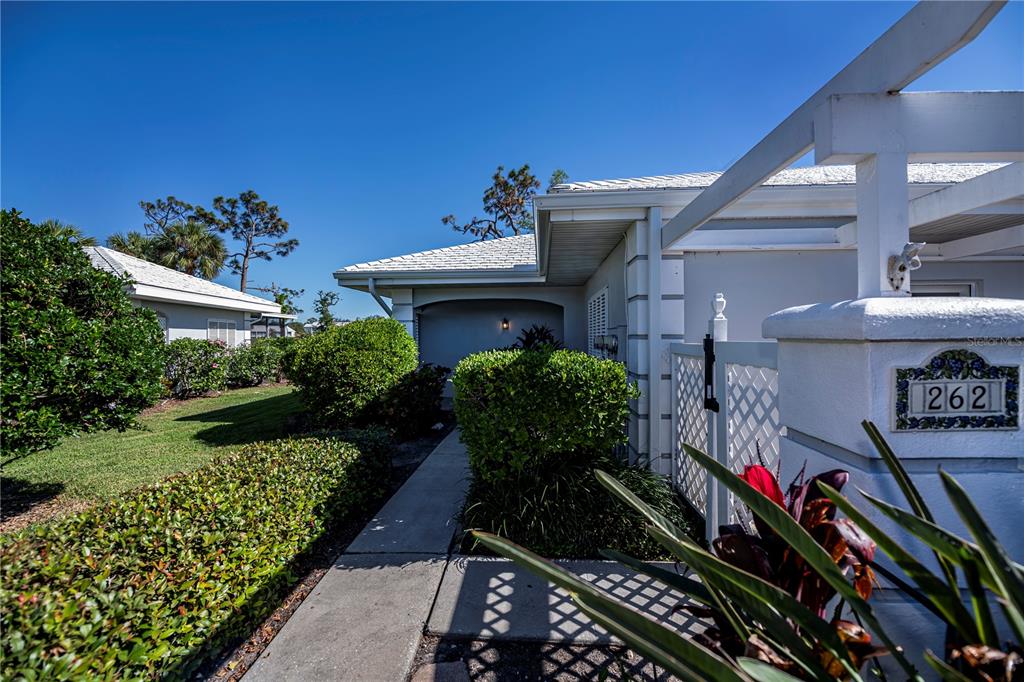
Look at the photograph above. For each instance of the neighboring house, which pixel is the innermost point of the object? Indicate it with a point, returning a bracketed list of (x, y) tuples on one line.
[(187, 306), (786, 243)]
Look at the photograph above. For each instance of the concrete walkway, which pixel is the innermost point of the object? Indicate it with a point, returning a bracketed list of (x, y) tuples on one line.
[(364, 619)]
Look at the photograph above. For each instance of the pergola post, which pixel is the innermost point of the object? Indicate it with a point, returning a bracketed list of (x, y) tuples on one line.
[(883, 226)]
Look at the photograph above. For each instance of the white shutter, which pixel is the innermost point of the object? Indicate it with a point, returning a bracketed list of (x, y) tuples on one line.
[(221, 330), (597, 319)]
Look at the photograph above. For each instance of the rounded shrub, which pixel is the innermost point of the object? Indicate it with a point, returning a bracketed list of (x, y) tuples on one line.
[(343, 372), (522, 411), (194, 367), (77, 355), (253, 363), (151, 584)]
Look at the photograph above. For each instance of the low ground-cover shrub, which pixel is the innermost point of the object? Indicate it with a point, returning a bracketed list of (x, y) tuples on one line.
[(253, 363), (522, 412), (150, 584), (567, 513), (194, 367), (77, 355), (343, 373)]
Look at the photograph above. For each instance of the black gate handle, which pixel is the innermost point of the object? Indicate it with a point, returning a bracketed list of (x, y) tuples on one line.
[(710, 401)]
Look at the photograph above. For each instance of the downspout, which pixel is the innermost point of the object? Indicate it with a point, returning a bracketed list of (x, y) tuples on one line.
[(380, 301)]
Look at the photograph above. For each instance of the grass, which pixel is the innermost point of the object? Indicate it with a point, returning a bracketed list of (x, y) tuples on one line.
[(179, 438)]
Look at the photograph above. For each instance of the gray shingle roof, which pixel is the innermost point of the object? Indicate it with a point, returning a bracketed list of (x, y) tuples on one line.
[(150, 274), (917, 173), (508, 254)]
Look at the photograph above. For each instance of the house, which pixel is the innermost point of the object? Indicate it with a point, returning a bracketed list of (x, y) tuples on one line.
[(187, 306), (786, 243)]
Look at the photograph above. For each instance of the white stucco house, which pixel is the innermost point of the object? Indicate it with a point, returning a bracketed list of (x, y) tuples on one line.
[(884, 283), (191, 307), (785, 243)]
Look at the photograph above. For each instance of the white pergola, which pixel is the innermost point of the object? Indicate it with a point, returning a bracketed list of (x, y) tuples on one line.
[(861, 117)]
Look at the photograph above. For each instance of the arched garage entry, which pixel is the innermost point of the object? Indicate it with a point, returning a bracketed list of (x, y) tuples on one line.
[(450, 330)]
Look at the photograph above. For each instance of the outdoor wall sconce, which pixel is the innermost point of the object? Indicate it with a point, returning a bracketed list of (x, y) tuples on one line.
[(504, 324), (609, 343)]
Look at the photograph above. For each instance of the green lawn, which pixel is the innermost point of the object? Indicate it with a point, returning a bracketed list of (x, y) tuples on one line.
[(180, 438)]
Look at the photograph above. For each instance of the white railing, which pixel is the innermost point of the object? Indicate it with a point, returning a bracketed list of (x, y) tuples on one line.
[(745, 430)]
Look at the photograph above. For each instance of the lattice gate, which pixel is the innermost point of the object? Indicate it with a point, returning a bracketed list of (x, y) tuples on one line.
[(745, 430)]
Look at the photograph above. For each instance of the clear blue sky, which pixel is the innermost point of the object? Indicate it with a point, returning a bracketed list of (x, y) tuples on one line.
[(367, 123)]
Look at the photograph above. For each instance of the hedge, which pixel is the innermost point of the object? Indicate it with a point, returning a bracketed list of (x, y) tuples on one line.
[(77, 355), (194, 367), (154, 582), (341, 372), (521, 410), (253, 363)]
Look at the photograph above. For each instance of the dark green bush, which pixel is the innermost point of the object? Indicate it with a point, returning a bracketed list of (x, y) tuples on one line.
[(567, 513), (253, 363), (153, 583), (77, 355), (343, 373), (523, 411), (413, 405), (194, 367)]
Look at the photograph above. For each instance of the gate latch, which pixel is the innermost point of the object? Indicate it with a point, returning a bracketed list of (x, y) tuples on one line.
[(710, 401)]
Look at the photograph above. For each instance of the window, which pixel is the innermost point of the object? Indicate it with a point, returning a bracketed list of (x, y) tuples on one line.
[(944, 288), (597, 320), (162, 319), (221, 330)]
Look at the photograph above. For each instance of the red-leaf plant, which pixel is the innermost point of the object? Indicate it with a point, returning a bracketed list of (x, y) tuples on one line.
[(769, 557)]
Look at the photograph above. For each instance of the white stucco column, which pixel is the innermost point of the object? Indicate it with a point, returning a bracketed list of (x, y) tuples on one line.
[(402, 309), (881, 359), (883, 223), (654, 301)]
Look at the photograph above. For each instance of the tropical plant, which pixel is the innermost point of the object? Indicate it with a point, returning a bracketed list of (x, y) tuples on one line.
[(162, 213), (66, 231), (537, 337), (781, 637), (77, 355), (413, 405), (190, 248), (132, 243)]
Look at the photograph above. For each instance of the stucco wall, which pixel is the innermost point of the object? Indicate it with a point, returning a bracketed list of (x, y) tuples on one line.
[(190, 321), (757, 284), (451, 330), (611, 274)]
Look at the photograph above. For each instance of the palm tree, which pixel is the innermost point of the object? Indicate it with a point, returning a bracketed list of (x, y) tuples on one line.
[(132, 243), (67, 231), (190, 247)]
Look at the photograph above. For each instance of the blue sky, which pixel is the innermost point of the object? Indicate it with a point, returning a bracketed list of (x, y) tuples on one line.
[(366, 123)]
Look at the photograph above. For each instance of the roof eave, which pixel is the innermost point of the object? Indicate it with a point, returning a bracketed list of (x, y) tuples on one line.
[(149, 292)]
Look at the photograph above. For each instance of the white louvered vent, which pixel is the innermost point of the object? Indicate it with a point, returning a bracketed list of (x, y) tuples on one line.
[(597, 320)]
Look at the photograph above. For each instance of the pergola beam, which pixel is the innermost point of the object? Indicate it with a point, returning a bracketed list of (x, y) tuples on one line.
[(980, 244), (927, 126), (925, 36), (1002, 184)]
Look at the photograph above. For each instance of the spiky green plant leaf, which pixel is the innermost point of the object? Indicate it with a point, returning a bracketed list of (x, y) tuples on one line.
[(946, 672), (946, 601), (762, 672), (682, 657)]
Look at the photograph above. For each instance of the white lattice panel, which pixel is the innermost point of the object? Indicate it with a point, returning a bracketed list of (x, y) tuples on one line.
[(752, 401), (691, 428)]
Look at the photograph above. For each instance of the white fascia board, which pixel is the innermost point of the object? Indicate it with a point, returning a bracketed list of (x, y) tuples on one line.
[(413, 279), (145, 292), (995, 187), (927, 126), (922, 38)]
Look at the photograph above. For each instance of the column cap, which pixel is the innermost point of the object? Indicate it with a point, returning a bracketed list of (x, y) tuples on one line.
[(899, 319)]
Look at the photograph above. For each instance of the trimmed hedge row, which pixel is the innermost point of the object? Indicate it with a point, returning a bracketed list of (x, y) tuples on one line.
[(154, 582), (341, 374), (523, 411), (195, 367)]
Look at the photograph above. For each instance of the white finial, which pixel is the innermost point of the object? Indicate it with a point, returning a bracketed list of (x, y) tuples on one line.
[(718, 304), (718, 326)]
